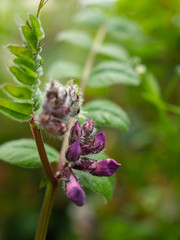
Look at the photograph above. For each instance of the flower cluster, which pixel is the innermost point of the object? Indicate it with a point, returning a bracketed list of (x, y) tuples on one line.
[(61, 103), (83, 143)]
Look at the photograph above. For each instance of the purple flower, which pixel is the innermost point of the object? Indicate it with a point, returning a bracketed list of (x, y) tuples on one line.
[(74, 151), (104, 168), (88, 128), (95, 145), (74, 191), (75, 133)]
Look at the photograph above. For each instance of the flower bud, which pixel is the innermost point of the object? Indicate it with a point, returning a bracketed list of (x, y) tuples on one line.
[(56, 128), (74, 191), (104, 168), (75, 133), (73, 152), (61, 113), (88, 128), (95, 145)]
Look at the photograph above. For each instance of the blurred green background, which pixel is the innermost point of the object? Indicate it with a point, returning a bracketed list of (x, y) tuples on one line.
[(146, 200)]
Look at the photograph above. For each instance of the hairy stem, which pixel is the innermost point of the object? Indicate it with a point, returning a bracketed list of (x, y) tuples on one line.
[(42, 152), (87, 70), (46, 211)]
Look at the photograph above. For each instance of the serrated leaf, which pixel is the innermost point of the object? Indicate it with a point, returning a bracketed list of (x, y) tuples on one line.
[(101, 185), (75, 37), (107, 113), (24, 63), (22, 77), (65, 69), (30, 38), (109, 72), (17, 110), (24, 153), (92, 18), (36, 26), (22, 93), (123, 29), (20, 51), (114, 51)]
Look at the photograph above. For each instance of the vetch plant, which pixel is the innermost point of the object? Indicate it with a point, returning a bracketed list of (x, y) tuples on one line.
[(81, 161)]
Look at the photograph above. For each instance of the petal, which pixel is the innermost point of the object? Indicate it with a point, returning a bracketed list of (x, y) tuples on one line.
[(88, 128), (73, 152), (105, 168), (75, 133), (74, 192), (95, 145)]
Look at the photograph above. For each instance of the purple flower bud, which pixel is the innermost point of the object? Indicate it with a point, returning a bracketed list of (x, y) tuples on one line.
[(74, 191), (44, 118), (61, 113), (88, 128), (75, 133), (95, 145), (73, 152), (105, 168)]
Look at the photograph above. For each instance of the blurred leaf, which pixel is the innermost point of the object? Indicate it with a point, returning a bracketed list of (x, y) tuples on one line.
[(36, 26), (89, 17), (101, 185), (114, 51), (107, 113), (111, 72), (17, 110), (20, 51), (123, 29), (24, 63), (24, 153), (37, 98), (65, 69), (18, 92), (75, 37), (21, 76), (30, 38)]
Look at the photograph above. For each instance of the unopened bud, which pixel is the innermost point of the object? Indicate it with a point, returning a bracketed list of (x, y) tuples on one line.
[(88, 128), (75, 133), (73, 152)]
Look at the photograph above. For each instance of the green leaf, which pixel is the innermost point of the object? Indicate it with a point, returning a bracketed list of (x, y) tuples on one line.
[(16, 110), (123, 29), (107, 113), (91, 18), (36, 26), (18, 92), (65, 69), (22, 77), (114, 51), (24, 153), (151, 85), (109, 72), (101, 185), (24, 63), (37, 99), (75, 37), (20, 51), (30, 38)]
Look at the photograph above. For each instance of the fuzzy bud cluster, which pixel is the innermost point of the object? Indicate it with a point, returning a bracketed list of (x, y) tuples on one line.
[(81, 144), (60, 104)]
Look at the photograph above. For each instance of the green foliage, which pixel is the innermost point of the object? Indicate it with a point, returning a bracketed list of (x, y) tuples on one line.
[(107, 113), (101, 185), (76, 37), (23, 153), (27, 71), (110, 72)]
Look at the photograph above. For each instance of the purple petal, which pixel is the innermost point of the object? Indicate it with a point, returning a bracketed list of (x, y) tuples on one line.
[(74, 191), (105, 168), (95, 145), (75, 133), (73, 152), (84, 164), (88, 128)]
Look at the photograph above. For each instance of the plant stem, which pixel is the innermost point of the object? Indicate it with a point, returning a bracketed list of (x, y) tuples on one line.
[(87, 70), (46, 211), (42, 152), (92, 55)]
